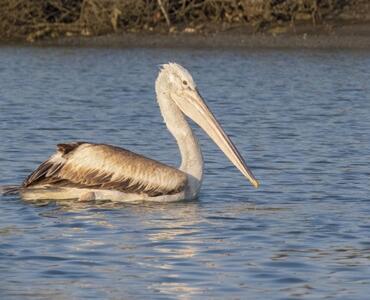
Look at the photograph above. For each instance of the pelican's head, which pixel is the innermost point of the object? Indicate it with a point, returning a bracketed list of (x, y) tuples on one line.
[(174, 78), (178, 85)]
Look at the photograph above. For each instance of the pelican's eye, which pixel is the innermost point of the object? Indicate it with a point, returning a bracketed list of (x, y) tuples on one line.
[(185, 82)]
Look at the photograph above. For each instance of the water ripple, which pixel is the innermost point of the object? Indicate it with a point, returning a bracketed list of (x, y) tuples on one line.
[(302, 120)]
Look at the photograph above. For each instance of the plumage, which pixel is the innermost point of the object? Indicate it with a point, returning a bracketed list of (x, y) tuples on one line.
[(100, 166)]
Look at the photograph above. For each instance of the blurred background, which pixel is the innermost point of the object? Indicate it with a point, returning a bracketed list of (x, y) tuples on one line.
[(34, 20)]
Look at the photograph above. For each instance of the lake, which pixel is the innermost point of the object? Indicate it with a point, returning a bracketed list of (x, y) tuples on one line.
[(300, 118)]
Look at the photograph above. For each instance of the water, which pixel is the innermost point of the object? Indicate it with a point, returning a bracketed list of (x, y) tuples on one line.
[(301, 119)]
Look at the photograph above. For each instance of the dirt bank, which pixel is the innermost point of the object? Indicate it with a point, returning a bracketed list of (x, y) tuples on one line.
[(354, 36), (188, 23)]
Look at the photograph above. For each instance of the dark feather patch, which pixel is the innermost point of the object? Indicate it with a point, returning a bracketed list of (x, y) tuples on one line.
[(9, 189), (66, 148), (38, 174)]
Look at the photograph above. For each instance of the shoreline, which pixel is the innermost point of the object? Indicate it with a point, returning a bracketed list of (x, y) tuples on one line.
[(349, 36)]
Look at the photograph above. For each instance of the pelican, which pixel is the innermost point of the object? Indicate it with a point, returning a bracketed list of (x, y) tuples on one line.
[(87, 171)]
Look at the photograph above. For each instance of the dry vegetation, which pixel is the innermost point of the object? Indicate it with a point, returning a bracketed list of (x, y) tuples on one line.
[(31, 20)]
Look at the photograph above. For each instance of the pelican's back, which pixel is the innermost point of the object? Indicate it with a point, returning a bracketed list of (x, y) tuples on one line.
[(101, 166)]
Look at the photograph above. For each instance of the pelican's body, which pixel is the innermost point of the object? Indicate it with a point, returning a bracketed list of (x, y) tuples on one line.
[(87, 171)]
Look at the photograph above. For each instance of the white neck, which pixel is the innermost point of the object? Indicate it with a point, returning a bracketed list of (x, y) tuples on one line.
[(191, 155)]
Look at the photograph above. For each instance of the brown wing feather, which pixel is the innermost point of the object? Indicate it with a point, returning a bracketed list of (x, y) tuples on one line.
[(102, 166), (51, 166)]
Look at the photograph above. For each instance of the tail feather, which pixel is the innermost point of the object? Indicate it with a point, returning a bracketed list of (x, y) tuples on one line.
[(9, 189)]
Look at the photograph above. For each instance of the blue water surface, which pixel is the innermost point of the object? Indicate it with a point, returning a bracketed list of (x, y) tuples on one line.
[(300, 118)]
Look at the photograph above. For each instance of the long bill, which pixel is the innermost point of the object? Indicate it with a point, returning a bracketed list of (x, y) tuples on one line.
[(193, 106)]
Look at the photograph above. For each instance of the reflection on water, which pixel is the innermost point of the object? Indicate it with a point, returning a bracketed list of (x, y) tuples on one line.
[(301, 119)]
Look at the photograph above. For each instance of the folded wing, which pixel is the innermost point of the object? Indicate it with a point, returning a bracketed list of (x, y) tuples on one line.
[(100, 166)]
